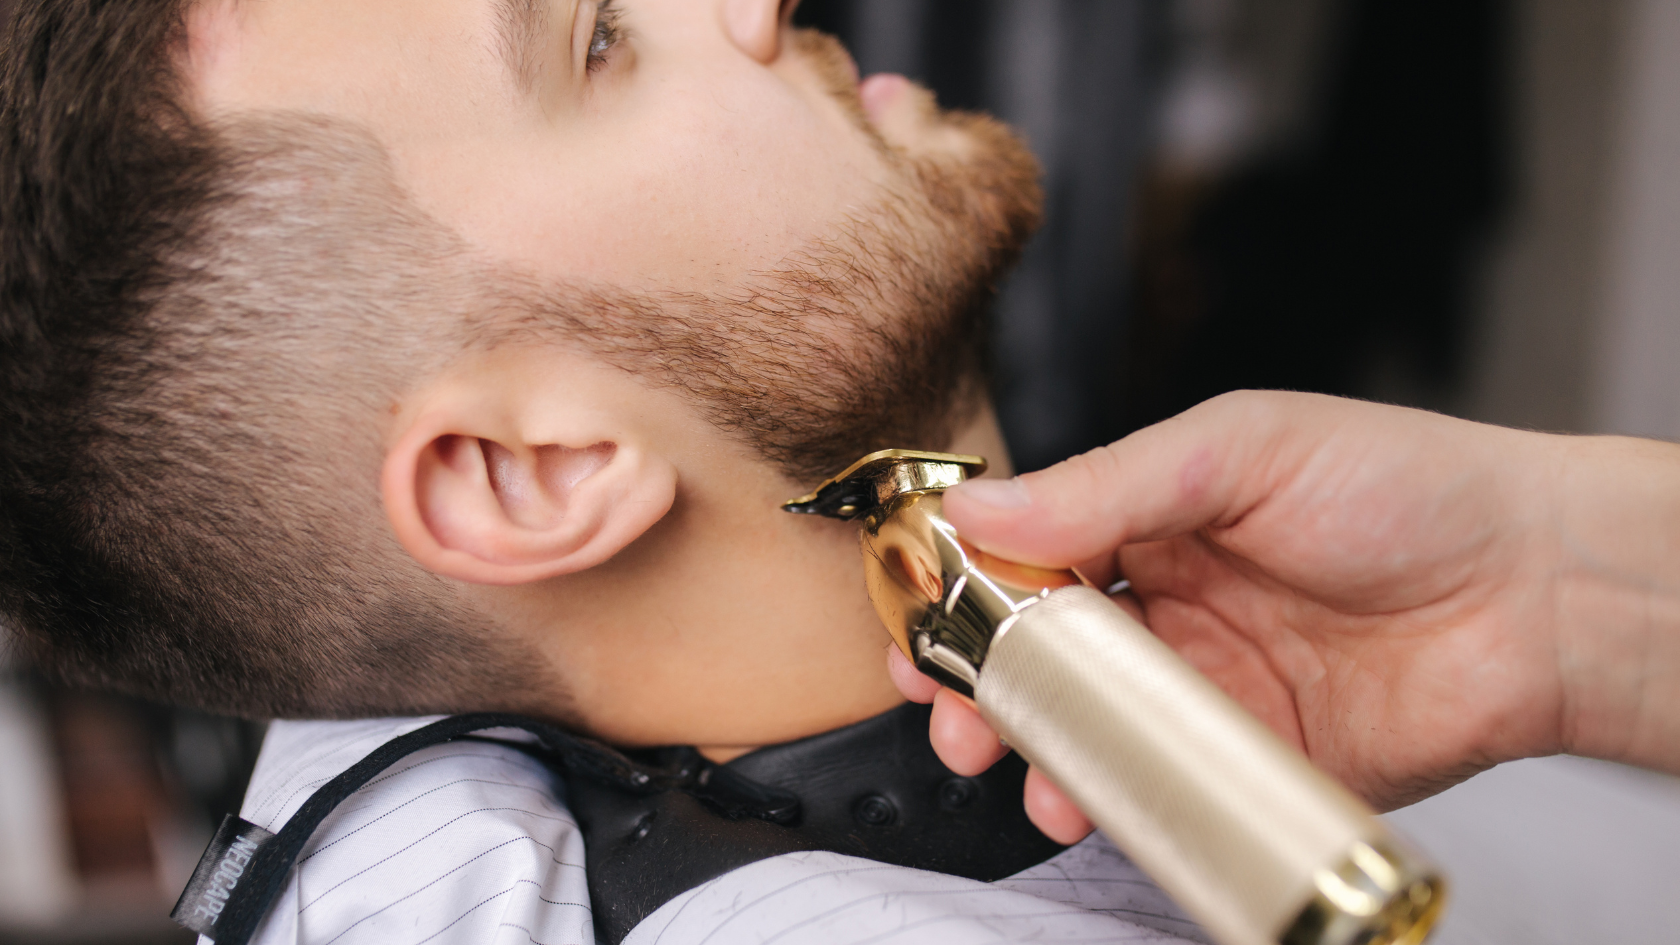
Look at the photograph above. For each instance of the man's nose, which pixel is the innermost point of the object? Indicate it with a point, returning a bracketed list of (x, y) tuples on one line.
[(756, 25)]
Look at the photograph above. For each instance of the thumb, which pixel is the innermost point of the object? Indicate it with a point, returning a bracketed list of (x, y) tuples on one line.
[(1207, 466)]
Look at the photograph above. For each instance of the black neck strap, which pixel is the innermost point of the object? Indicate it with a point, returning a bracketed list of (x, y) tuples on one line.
[(245, 866)]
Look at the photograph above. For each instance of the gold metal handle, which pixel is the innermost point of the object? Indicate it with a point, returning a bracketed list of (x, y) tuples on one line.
[(1252, 840)]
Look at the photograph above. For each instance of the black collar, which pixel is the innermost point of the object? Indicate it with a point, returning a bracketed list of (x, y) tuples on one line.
[(874, 790)]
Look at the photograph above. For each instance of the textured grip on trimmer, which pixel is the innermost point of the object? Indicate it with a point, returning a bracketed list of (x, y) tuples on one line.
[(1248, 836)]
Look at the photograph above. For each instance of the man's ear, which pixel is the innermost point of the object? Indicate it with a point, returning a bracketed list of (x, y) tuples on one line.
[(473, 497)]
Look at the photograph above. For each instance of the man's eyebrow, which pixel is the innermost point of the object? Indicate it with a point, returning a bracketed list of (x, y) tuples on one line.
[(521, 27)]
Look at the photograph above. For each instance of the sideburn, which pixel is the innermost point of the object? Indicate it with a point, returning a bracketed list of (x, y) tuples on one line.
[(872, 337)]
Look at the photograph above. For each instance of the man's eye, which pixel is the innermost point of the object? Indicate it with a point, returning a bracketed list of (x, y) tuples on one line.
[(607, 34)]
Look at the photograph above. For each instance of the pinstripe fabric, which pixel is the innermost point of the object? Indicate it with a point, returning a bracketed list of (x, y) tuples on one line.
[(470, 842)]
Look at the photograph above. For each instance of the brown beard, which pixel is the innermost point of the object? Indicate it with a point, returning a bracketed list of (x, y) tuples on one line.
[(871, 337)]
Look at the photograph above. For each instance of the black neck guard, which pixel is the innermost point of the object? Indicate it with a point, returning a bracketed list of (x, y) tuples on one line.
[(874, 790)]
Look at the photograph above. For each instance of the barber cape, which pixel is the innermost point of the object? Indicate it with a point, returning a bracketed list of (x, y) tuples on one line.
[(472, 841)]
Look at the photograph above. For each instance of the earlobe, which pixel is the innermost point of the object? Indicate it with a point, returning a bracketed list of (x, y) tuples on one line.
[(480, 505)]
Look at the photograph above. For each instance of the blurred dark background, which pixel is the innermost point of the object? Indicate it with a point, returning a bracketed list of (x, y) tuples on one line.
[(1464, 205), (1284, 195)]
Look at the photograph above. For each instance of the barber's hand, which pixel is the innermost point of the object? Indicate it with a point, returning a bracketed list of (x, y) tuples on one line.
[(1409, 598)]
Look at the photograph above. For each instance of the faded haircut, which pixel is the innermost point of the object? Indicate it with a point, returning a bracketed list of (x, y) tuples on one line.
[(204, 326), (195, 325)]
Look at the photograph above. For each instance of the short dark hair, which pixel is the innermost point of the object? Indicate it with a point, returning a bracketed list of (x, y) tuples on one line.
[(186, 311), (203, 323)]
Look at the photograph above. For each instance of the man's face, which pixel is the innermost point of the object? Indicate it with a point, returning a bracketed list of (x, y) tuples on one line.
[(822, 245), (697, 157), (671, 157)]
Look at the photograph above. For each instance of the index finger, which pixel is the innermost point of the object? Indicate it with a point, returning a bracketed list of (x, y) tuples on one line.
[(1208, 466)]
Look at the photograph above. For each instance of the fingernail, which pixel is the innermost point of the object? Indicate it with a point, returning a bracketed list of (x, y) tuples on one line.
[(1007, 494)]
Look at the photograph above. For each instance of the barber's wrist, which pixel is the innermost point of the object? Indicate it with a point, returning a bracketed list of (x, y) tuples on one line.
[(1617, 592)]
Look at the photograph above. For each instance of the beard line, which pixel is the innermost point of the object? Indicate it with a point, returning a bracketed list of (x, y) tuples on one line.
[(871, 337)]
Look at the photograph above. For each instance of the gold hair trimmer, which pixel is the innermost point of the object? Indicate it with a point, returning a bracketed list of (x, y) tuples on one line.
[(1252, 840)]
